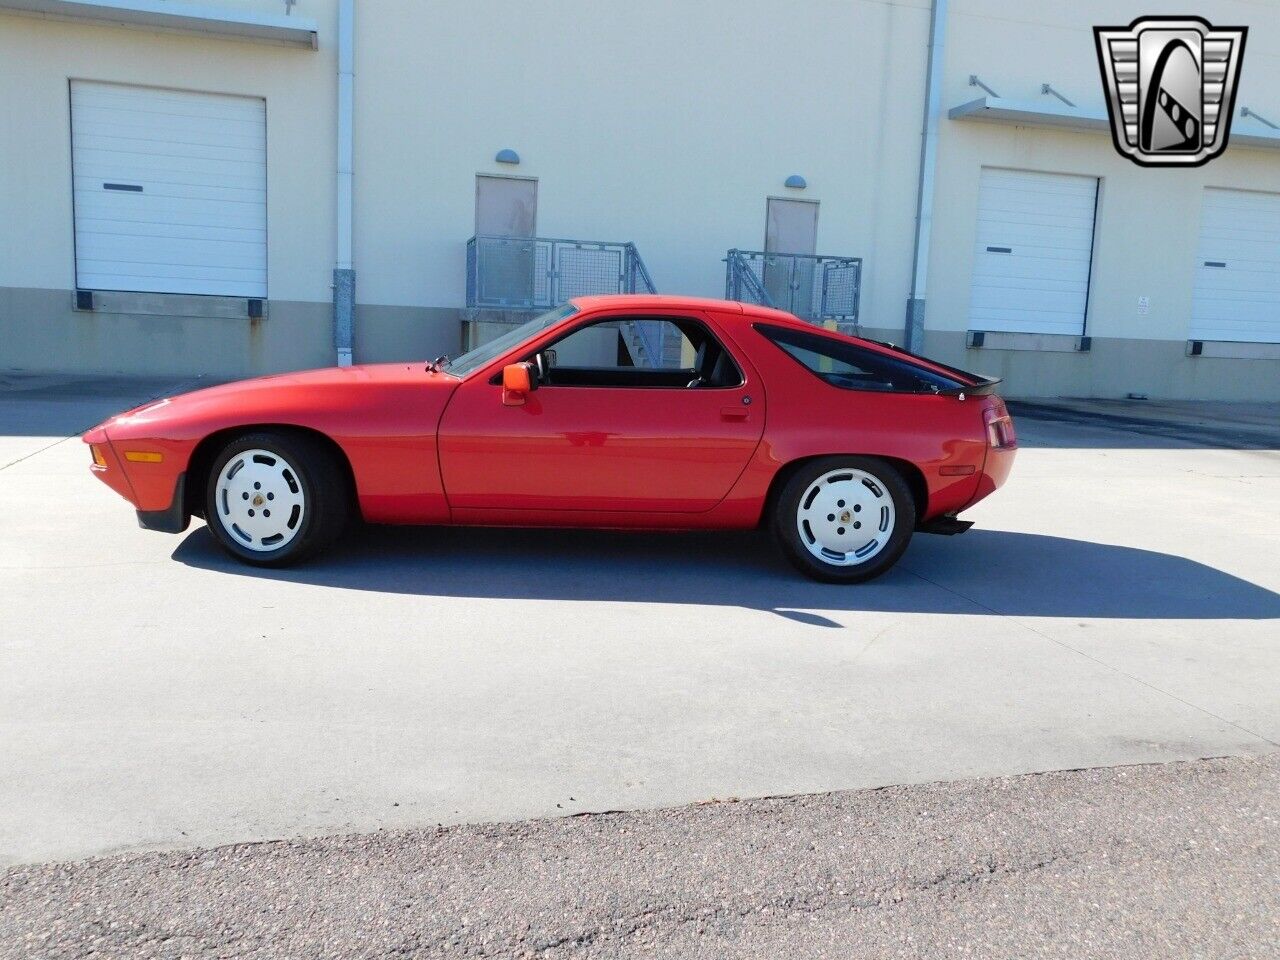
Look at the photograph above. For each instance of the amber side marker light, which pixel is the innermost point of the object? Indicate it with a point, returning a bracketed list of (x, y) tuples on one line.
[(98, 458), (143, 456)]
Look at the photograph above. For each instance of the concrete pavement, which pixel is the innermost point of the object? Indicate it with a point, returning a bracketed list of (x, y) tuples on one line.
[(1117, 603)]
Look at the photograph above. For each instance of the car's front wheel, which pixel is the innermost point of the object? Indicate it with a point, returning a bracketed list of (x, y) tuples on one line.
[(844, 519), (274, 498)]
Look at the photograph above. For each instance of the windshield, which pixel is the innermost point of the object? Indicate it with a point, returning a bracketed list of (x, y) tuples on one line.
[(482, 354)]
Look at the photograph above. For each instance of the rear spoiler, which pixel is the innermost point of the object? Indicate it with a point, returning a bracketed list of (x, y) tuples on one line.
[(984, 387)]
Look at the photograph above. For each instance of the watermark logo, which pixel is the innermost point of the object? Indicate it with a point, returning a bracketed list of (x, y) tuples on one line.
[(1171, 88)]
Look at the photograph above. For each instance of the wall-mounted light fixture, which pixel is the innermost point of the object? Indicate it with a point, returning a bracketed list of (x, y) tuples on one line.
[(507, 155), (796, 182)]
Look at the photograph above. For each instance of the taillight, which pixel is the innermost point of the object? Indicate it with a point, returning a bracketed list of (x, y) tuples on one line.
[(1000, 432)]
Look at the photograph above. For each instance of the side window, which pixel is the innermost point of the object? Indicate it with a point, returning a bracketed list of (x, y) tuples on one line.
[(851, 367), (614, 344), (639, 352)]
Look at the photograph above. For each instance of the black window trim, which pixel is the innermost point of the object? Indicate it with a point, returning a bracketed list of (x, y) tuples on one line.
[(675, 320), (768, 331)]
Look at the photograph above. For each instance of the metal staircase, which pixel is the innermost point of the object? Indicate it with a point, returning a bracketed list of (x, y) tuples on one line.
[(819, 289)]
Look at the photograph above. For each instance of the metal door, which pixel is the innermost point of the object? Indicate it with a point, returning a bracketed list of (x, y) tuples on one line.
[(507, 207), (791, 227)]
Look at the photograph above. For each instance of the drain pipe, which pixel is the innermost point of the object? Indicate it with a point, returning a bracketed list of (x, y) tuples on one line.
[(913, 333), (344, 274)]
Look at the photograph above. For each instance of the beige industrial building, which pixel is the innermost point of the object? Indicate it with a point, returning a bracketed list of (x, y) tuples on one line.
[(206, 188)]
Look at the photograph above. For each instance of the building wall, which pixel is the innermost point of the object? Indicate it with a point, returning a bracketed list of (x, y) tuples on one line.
[(39, 329), (1147, 219), (666, 123)]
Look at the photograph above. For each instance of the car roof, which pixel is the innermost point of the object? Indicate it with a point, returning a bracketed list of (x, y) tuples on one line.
[(661, 301), (734, 312)]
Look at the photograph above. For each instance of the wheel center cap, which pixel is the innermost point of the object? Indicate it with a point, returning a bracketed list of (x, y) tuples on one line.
[(846, 516), (258, 500)]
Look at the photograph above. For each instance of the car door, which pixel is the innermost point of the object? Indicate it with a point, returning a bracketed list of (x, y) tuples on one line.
[(619, 430)]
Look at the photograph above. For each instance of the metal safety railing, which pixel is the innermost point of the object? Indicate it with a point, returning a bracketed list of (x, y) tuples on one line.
[(539, 273), (814, 288)]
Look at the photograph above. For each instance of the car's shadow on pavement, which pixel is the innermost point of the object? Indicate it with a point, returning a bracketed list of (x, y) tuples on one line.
[(982, 572)]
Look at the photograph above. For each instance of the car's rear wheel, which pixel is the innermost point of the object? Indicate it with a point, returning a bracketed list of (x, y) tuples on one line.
[(844, 519), (275, 498)]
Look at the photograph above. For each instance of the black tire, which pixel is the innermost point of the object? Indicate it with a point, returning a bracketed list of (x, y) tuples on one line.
[(795, 541), (325, 496)]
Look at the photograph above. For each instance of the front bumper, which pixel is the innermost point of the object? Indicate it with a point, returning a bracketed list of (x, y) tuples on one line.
[(146, 488), (111, 470), (174, 518)]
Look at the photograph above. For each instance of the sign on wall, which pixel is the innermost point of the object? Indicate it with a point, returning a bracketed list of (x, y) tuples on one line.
[(1171, 88)]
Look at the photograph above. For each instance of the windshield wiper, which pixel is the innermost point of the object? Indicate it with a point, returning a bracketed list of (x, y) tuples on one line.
[(438, 364)]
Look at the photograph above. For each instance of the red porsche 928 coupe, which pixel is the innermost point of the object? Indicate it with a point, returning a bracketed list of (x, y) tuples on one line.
[(626, 412)]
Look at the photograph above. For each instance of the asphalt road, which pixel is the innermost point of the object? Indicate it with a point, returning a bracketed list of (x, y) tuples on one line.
[(1169, 862), (1117, 603)]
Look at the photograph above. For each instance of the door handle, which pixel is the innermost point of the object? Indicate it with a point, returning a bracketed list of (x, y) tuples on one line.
[(734, 413)]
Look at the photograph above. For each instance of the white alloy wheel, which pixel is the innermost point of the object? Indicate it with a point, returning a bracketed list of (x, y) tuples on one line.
[(260, 500), (845, 517)]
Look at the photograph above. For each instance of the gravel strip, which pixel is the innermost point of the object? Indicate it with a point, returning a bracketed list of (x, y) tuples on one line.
[(1167, 861)]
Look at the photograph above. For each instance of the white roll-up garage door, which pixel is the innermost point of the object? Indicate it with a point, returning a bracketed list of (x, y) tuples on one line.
[(170, 190), (1237, 291), (1034, 247)]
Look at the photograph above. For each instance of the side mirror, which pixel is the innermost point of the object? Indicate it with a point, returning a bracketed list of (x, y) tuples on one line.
[(518, 382)]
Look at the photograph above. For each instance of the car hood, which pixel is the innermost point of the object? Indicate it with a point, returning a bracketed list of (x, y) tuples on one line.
[(301, 398)]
